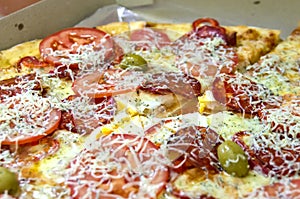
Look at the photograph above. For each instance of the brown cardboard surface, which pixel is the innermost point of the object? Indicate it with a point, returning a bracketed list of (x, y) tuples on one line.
[(43, 18), (48, 16), (276, 14)]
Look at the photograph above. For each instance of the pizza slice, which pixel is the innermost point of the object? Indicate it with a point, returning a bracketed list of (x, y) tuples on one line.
[(279, 69)]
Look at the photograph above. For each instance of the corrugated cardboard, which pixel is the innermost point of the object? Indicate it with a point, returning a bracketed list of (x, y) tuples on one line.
[(45, 17), (49, 16)]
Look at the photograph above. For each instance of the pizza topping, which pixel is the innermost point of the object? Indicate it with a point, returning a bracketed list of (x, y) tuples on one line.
[(31, 62), (84, 114), (208, 27), (280, 159), (284, 119), (280, 76), (33, 152), (204, 57), (176, 83), (27, 117), (134, 61), (284, 189), (69, 41), (184, 195), (125, 165), (161, 131), (202, 30), (148, 38), (242, 95), (77, 51), (9, 182), (198, 145), (233, 159), (107, 83), (17, 85)]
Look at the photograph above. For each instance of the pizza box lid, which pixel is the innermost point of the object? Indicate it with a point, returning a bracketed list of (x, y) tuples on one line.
[(48, 16)]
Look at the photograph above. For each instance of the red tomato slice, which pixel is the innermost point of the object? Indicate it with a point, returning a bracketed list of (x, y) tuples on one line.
[(51, 125), (148, 37), (107, 83), (87, 114), (289, 189), (71, 38), (118, 166)]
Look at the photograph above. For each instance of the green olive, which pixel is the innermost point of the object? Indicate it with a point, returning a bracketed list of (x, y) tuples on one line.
[(233, 159), (8, 182), (134, 61)]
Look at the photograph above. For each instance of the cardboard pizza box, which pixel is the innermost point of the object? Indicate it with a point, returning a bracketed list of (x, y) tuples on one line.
[(48, 16)]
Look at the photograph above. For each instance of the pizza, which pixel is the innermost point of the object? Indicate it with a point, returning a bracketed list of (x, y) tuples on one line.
[(151, 110)]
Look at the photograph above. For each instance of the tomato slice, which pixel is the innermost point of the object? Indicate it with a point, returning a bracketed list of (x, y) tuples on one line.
[(86, 114), (69, 40), (148, 37), (118, 166), (50, 126), (27, 117), (107, 83)]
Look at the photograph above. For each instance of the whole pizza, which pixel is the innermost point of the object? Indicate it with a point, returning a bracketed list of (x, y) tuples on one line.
[(151, 110)]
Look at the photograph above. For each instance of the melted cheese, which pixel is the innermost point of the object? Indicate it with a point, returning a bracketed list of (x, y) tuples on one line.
[(279, 76), (227, 124), (195, 183), (48, 174)]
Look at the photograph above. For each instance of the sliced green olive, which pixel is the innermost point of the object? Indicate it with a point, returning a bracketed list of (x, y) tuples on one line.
[(8, 182), (233, 159), (134, 61)]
